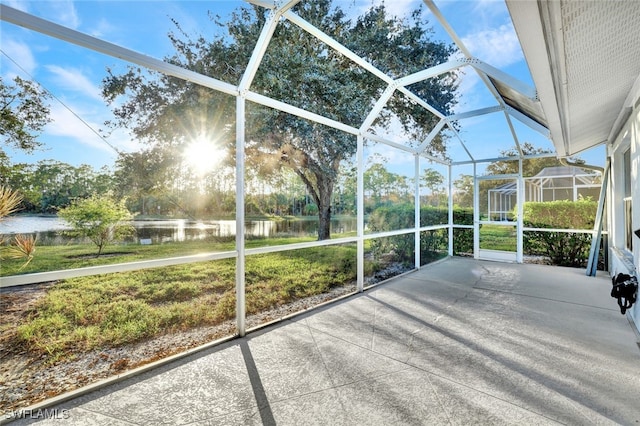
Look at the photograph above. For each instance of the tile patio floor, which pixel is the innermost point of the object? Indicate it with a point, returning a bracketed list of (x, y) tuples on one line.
[(458, 342)]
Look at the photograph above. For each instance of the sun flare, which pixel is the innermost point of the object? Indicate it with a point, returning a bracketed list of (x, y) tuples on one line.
[(203, 155)]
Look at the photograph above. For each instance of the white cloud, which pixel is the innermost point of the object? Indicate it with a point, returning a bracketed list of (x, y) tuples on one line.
[(17, 4), (498, 47), (21, 53), (65, 123), (65, 13), (102, 28), (81, 132), (74, 80), (399, 8)]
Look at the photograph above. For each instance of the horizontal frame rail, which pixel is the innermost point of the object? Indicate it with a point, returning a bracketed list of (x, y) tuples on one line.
[(40, 277)]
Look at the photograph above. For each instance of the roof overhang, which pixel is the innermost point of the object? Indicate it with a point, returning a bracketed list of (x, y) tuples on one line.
[(583, 57)]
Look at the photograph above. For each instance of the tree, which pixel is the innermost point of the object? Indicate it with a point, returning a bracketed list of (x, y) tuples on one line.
[(23, 114), (99, 218), (141, 175), (299, 70), (463, 195), (433, 180), (530, 167), (49, 185)]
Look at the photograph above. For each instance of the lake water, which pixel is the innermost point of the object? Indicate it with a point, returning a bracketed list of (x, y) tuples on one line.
[(49, 230)]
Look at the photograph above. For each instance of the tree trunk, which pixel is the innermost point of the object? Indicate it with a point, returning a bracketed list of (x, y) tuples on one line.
[(319, 183), (324, 224), (325, 190)]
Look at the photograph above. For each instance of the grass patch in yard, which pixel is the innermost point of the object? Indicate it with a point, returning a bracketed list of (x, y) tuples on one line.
[(53, 258), (110, 310), (498, 237), (277, 278)]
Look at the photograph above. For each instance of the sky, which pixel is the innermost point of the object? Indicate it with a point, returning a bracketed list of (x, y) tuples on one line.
[(73, 74)]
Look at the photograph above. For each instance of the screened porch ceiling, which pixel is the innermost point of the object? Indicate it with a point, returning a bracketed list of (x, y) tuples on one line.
[(580, 54)]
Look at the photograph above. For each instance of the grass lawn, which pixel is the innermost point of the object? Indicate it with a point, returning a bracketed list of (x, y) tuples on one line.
[(108, 310), (498, 237), (54, 258)]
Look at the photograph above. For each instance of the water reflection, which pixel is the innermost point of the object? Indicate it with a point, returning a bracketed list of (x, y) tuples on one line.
[(50, 230)]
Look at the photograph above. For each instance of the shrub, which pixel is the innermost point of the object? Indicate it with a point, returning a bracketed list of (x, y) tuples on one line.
[(9, 201), (462, 241), (100, 218), (563, 214), (22, 247), (432, 243), (562, 248)]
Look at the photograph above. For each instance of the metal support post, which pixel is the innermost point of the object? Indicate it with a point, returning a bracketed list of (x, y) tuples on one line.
[(240, 259)]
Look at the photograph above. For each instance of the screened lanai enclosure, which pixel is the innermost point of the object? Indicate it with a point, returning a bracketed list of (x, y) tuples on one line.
[(364, 116), (286, 153)]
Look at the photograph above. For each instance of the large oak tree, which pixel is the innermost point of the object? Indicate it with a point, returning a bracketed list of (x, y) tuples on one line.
[(166, 112)]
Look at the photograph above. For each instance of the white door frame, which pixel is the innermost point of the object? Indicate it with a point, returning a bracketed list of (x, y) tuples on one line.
[(498, 255)]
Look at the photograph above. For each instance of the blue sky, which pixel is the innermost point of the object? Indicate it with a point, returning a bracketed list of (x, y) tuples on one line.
[(73, 74)]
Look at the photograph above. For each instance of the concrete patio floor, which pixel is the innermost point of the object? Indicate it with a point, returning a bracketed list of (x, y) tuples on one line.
[(458, 342)]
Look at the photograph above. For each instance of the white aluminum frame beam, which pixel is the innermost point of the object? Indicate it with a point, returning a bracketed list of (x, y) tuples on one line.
[(475, 113), (263, 42), (258, 51), (241, 308), (267, 4), (360, 214), (358, 60), (473, 61), (329, 41), (431, 72), (432, 134), (514, 158), (377, 108), (455, 132), (376, 138), (299, 112), (60, 32)]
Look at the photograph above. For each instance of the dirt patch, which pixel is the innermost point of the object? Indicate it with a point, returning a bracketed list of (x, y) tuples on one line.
[(102, 256)]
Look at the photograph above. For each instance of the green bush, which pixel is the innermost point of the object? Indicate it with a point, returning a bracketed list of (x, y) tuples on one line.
[(562, 248), (563, 214), (462, 241), (432, 243)]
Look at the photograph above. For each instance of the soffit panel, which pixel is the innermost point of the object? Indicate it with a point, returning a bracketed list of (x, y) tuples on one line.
[(602, 47), (583, 57)]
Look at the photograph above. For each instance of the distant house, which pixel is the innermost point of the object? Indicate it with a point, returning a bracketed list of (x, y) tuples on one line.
[(550, 184), (563, 183)]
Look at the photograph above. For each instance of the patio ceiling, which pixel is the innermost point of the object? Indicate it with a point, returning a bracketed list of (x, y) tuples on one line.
[(583, 57)]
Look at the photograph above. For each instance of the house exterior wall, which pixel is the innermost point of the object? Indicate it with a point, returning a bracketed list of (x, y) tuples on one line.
[(625, 183)]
